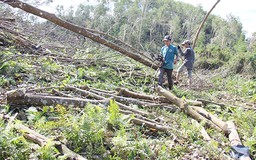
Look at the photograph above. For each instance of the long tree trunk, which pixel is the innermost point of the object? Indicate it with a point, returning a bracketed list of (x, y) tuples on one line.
[(77, 29), (202, 24)]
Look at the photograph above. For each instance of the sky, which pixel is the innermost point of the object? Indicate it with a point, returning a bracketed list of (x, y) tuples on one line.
[(245, 10)]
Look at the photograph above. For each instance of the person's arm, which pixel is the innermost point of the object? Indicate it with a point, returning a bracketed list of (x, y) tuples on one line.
[(177, 56), (181, 52)]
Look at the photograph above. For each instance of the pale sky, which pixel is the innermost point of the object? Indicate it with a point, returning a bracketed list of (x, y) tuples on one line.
[(245, 10)]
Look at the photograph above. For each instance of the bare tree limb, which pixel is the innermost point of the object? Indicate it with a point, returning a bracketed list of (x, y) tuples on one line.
[(80, 30), (202, 24)]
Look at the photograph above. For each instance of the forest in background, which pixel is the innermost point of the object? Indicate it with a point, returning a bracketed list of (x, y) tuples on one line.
[(142, 24), (225, 64)]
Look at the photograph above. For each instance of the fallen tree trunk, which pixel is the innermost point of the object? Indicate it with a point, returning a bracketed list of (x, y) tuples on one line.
[(215, 120), (191, 111), (99, 97), (125, 92), (235, 140), (150, 124), (42, 141), (80, 30), (19, 97), (172, 98)]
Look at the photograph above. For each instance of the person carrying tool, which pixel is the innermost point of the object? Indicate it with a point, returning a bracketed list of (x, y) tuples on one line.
[(189, 59), (167, 53)]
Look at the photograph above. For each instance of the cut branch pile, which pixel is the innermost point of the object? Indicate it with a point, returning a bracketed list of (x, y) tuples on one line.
[(80, 96), (41, 139), (202, 115)]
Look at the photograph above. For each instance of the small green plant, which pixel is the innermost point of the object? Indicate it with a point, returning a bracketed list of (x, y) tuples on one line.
[(114, 115), (12, 144), (48, 152)]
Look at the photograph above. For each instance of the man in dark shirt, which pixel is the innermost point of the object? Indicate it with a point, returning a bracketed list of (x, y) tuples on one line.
[(189, 59)]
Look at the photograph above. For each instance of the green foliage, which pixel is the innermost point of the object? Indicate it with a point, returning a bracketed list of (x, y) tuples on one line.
[(12, 145), (11, 67), (252, 61), (114, 115), (236, 85), (85, 133), (5, 82), (246, 122), (48, 152)]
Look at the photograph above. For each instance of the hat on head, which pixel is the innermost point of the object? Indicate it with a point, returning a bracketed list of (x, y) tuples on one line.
[(167, 38), (186, 42)]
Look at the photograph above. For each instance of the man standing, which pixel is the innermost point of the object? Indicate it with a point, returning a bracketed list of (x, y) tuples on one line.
[(167, 52), (189, 59)]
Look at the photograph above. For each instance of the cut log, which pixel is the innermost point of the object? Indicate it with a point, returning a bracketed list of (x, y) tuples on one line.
[(194, 114), (205, 102), (126, 93), (85, 93), (147, 104), (172, 98), (235, 139), (18, 97), (150, 124), (203, 131), (131, 109), (58, 93), (233, 135), (42, 141), (221, 124), (184, 106), (99, 97)]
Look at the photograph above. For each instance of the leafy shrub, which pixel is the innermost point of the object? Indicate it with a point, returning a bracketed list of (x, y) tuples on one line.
[(208, 63), (252, 61), (12, 145), (12, 67), (242, 63)]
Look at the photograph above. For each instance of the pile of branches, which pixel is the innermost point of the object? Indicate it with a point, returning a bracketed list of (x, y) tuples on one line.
[(80, 96)]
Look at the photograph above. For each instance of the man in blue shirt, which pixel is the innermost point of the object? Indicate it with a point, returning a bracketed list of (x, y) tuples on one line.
[(167, 52)]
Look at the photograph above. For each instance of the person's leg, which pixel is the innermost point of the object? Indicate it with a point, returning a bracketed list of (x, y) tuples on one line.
[(189, 77), (169, 77), (161, 76), (180, 69)]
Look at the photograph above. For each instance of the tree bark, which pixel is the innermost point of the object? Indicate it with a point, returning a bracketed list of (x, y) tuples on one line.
[(203, 131), (42, 141), (19, 97), (234, 138), (80, 30), (172, 98), (215, 120), (150, 124), (99, 97), (186, 108)]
